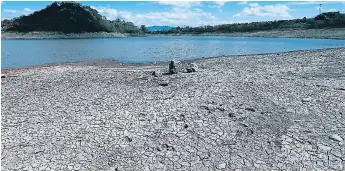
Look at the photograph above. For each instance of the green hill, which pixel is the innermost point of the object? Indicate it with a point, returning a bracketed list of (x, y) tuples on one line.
[(325, 20), (68, 17)]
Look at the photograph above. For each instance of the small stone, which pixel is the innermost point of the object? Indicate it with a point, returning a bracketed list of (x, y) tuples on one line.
[(70, 167), (189, 70), (129, 139), (307, 99), (77, 167), (250, 109), (186, 126), (336, 137), (112, 169), (156, 73), (43, 168), (231, 115), (222, 166), (324, 148), (289, 110), (163, 84)]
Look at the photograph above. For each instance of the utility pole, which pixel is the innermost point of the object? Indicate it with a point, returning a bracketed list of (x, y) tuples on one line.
[(320, 8)]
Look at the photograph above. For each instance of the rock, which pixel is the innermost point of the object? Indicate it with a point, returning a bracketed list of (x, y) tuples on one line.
[(163, 84), (3, 76), (172, 67), (189, 70), (250, 109), (307, 99), (156, 73), (336, 137), (231, 115), (129, 139), (325, 148), (70, 167), (222, 166), (192, 68), (77, 167)]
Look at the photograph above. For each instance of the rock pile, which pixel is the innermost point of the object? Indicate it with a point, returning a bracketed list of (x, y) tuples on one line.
[(192, 68), (172, 67)]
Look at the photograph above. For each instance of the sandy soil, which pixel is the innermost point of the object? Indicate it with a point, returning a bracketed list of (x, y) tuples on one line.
[(259, 112)]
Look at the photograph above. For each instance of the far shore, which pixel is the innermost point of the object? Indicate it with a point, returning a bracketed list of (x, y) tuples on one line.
[(59, 35), (334, 33)]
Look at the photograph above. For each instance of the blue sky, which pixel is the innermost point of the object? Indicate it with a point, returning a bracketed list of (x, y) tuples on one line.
[(191, 13)]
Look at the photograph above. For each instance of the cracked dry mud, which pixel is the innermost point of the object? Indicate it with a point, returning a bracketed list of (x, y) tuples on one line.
[(256, 112)]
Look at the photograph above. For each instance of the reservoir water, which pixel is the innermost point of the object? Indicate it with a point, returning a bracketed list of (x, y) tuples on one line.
[(25, 53)]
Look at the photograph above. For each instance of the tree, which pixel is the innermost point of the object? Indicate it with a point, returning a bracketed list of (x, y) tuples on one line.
[(68, 17), (143, 28)]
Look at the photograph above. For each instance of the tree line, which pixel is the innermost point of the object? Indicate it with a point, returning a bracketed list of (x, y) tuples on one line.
[(324, 20)]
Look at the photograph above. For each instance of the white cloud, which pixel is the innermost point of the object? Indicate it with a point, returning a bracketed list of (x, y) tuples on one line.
[(255, 9), (125, 14), (109, 13), (332, 10), (198, 10), (218, 5), (308, 3), (28, 10), (25, 11), (177, 16), (181, 4), (10, 11), (113, 14), (242, 3)]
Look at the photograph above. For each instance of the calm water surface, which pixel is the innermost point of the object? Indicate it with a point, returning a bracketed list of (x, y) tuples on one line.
[(24, 53)]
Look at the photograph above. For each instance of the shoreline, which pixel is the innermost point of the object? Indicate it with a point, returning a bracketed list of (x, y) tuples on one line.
[(111, 63), (334, 33), (275, 112)]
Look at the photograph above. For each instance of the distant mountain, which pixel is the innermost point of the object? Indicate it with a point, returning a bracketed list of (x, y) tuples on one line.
[(160, 28), (68, 17)]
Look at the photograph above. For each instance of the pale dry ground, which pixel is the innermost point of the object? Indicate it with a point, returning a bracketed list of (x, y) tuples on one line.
[(257, 112)]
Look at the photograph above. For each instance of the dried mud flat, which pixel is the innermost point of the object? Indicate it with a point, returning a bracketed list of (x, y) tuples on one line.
[(259, 112)]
